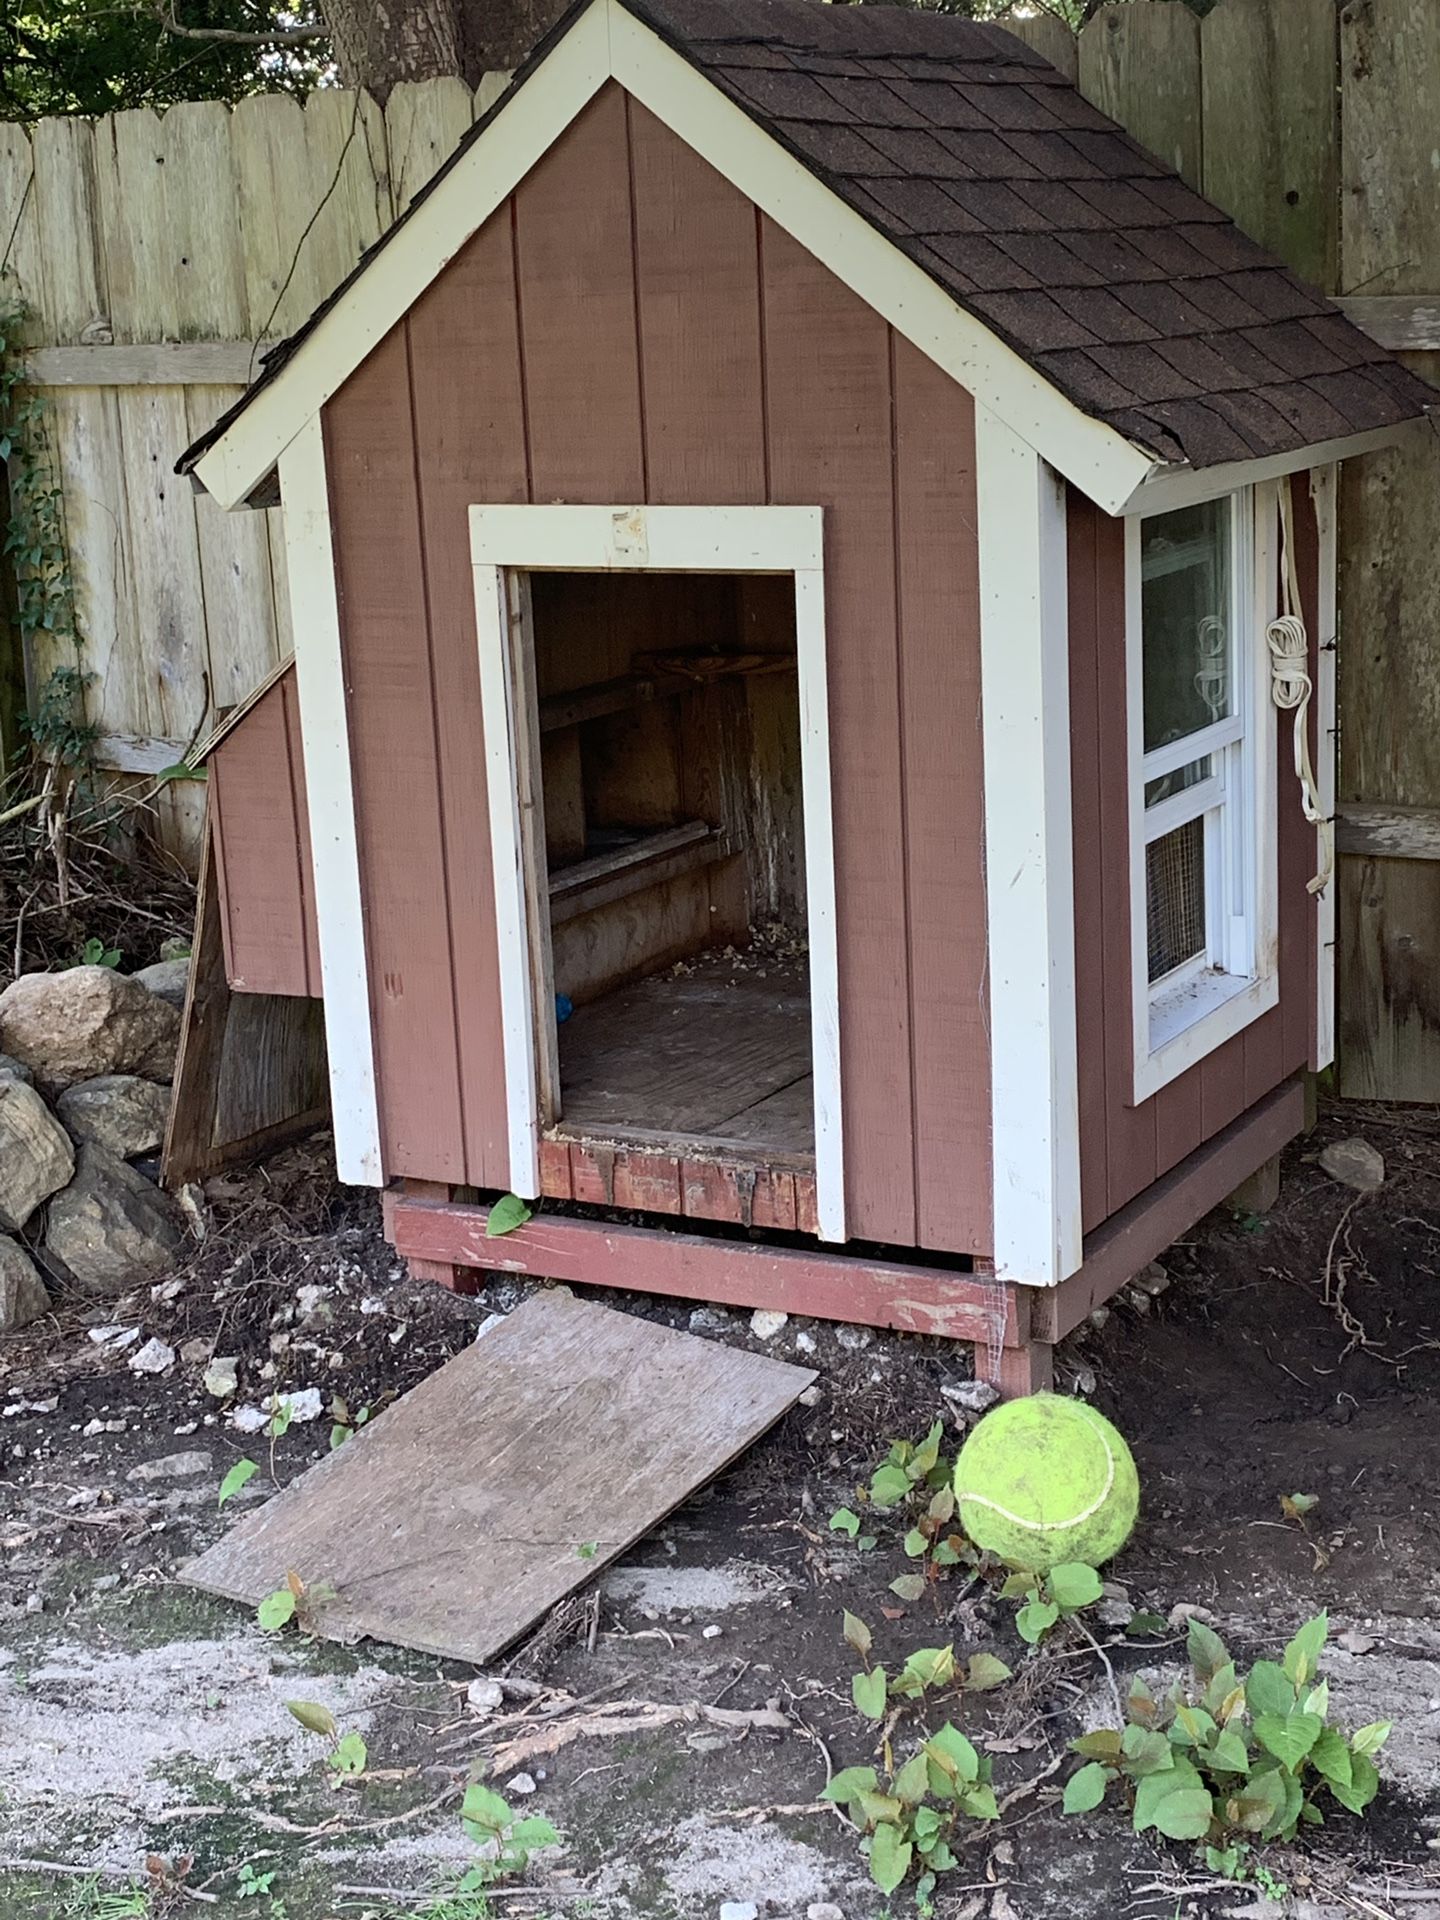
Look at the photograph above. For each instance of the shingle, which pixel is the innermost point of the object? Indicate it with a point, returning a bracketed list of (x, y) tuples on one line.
[(1225, 247), (1050, 156), (1181, 203), (874, 103), (774, 59), (1413, 393), (922, 206), (1117, 262), (1170, 251), (838, 150), (1061, 205), (1017, 109), (1207, 437), (1117, 156), (1246, 365), (1143, 373), (1360, 398), (940, 105), (1085, 381), (1214, 297), (1166, 310), (982, 262), (1292, 347), (1119, 203), (983, 156), (1042, 323), (1278, 295), (1146, 431), (914, 151), (1106, 317), (1342, 337), (1211, 368), (1312, 416), (1050, 260), (1260, 424), (1073, 111), (996, 206), (786, 96)]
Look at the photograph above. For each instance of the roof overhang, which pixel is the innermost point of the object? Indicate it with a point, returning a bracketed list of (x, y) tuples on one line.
[(607, 42), (1179, 485)]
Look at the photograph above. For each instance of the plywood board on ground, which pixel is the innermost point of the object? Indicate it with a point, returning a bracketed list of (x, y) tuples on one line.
[(458, 1518)]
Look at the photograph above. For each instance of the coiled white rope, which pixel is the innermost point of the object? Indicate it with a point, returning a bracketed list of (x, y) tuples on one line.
[(1291, 688)]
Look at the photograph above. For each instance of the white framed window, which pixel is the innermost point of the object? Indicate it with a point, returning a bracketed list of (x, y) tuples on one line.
[(1199, 591)]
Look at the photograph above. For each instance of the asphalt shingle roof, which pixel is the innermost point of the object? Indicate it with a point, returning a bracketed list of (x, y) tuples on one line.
[(1132, 294)]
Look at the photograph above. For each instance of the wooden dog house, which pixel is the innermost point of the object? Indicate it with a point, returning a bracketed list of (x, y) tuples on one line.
[(796, 540)]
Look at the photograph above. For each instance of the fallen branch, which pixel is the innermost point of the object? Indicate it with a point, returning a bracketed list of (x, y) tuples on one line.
[(626, 1717)]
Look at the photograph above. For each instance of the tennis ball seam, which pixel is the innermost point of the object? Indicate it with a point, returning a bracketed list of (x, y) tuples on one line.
[(1073, 1520)]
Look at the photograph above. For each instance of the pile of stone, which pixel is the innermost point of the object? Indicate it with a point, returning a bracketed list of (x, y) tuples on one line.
[(86, 1061)]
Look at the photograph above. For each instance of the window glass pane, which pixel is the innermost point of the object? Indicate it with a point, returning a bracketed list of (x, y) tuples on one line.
[(1175, 898), (1167, 784), (1185, 620)]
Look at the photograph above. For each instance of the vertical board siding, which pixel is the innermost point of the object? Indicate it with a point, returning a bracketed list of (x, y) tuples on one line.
[(829, 405), (262, 850), (625, 330), (942, 784), (386, 643), (1125, 1147)]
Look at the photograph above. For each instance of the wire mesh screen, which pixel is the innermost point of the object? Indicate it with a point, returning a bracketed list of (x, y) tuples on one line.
[(1175, 898)]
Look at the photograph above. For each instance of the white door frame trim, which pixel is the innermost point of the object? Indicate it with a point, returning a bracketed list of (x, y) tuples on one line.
[(1324, 483), (330, 797), (786, 540), (1029, 858)]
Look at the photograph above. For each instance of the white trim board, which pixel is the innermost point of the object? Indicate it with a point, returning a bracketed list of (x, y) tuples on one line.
[(1029, 863), (1323, 491), (608, 42), (1165, 488), (330, 795), (673, 540)]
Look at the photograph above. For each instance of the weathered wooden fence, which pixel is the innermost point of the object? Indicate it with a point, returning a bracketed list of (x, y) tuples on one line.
[(154, 251)]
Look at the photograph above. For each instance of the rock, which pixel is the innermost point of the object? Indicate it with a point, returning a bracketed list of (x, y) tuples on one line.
[(765, 1322), (221, 1378), (118, 1111), (167, 980), (484, 1695), (853, 1339), (811, 1397), (1098, 1316), (13, 1070), (174, 947), (712, 1632), (708, 1320), (22, 1292), (36, 1158), (86, 1021), (172, 1466), (249, 1419), (973, 1396), (304, 1406), (823, 1910), (804, 1342), (111, 1228), (521, 1783), (1354, 1163), (1154, 1280), (193, 1352), (153, 1357), (35, 1603), (739, 1910)]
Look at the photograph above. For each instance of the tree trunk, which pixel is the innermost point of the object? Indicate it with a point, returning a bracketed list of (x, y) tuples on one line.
[(381, 42)]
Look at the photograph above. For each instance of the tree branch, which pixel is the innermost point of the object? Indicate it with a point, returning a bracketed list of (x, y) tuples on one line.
[(277, 37)]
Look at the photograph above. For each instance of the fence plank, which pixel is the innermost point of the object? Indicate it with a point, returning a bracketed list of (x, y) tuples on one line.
[(1049, 35), (424, 123), (1390, 565), (1271, 126), (1141, 65)]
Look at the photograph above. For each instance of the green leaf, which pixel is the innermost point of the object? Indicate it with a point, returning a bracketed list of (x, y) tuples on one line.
[(985, 1672), (1269, 1689), (240, 1475), (532, 1832), (1370, 1739), (1074, 1585), (868, 1691), (927, 1825), (1261, 1802), (1218, 1689), (932, 1666), (1228, 1754), (1364, 1783), (313, 1717), (857, 1634), (276, 1610), (1086, 1789), (1035, 1619), (915, 1545), (927, 1455), (890, 1858), (1284, 1820), (940, 1858), (850, 1783), (979, 1802), (912, 1782), (182, 772), (1140, 1708), (844, 1521), (942, 1506), (508, 1213), (1206, 1650), (1290, 1738), (948, 1551), (587, 1549), (1146, 1623), (1018, 1586), (1185, 1815), (339, 1434), (889, 1485), (350, 1754), (953, 1754), (484, 1808), (1104, 1744), (1301, 1659), (1156, 1788), (1332, 1759), (1145, 1752), (908, 1586), (1193, 1726), (879, 1808)]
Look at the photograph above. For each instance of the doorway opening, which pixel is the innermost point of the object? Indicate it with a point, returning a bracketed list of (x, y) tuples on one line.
[(662, 832)]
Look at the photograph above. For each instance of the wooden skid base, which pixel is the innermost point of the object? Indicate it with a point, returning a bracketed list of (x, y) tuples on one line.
[(1013, 1327)]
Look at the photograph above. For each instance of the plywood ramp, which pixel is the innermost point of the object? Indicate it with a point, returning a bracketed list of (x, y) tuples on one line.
[(458, 1518)]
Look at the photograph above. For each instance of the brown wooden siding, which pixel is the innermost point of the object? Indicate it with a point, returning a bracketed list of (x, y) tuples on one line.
[(1124, 1147), (262, 849), (628, 328)]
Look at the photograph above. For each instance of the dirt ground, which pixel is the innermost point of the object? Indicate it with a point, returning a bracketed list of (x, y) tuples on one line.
[(1299, 1352)]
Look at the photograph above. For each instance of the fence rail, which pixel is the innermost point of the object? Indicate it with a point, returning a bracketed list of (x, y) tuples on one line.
[(153, 251)]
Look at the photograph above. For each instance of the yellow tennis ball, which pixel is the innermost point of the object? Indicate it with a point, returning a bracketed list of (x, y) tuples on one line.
[(1046, 1480)]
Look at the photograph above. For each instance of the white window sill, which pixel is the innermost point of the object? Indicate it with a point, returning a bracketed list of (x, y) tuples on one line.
[(1192, 1018)]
